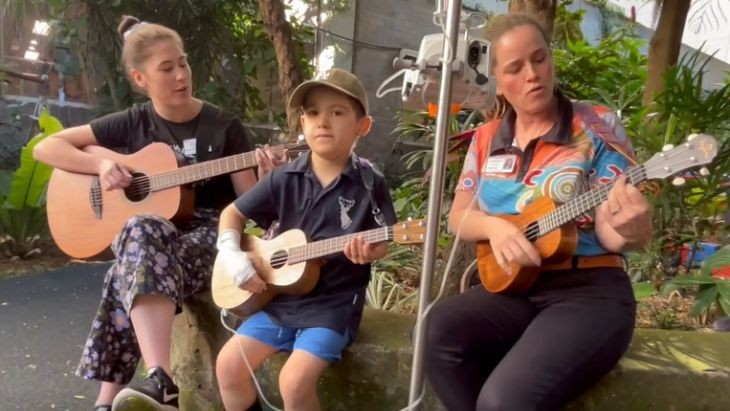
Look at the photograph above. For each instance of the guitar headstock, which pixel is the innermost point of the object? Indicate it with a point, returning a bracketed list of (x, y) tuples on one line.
[(409, 232), (699, 150)]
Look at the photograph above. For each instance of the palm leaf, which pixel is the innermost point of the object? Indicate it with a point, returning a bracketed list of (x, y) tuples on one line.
[(723, 288), (29, 183), (687, 280), (703, 301)]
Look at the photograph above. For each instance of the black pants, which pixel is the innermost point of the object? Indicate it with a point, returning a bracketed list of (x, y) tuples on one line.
[(535, 352)]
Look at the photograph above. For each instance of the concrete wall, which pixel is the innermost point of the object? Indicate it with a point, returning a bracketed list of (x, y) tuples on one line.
[(380, 29)]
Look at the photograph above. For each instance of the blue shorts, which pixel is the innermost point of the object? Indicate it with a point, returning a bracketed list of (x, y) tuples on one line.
[(321, 342)]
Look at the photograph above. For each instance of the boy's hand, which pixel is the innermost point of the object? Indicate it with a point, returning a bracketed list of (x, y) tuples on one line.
[(236, 263), (361, 252)]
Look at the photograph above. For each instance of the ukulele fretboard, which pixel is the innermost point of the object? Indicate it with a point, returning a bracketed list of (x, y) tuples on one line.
[(578, 206), (333, 245)]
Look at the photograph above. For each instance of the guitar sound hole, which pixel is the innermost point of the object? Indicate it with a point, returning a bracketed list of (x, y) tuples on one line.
[(139, 189), (278, 259)]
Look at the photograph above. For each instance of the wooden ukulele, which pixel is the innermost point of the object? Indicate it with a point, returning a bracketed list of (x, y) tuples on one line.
[(290, 265), (550, 226), (84, 219)]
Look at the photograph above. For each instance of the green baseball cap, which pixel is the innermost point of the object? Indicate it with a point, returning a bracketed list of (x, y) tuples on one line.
[(337, 79)]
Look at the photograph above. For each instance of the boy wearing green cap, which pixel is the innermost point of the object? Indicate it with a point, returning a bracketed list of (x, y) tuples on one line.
[(324, 194)]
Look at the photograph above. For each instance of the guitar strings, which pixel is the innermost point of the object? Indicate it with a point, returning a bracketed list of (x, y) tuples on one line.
[(141, 184)]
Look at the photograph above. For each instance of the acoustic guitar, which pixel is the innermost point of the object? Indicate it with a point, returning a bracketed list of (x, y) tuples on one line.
[(84, 219), (290, 265), (551, 229)]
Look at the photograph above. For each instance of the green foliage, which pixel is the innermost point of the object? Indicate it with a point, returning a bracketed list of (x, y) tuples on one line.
[(23, 223), (23, 231), (385, 293), (612, 73), (713, 284), (686, 213), (226, 43), (643, 290), (388, 289), (566, 27), (29, 182)]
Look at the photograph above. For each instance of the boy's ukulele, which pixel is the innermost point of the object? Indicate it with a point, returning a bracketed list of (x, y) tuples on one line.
[(290, 265), (551, 229), (84, 218)]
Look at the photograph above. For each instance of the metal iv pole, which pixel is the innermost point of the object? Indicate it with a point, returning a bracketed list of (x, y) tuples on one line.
[(435, 194)]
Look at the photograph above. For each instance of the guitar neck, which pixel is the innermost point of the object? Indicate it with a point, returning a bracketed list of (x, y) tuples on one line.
[(579, 205), (334, 245), (201, 171)]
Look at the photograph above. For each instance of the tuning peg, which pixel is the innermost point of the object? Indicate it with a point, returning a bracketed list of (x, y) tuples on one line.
[(692, 136), (678, 181), (704, 172), (667, 147)]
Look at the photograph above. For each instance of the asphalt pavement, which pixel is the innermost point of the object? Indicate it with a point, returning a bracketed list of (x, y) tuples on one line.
[(44, 320)]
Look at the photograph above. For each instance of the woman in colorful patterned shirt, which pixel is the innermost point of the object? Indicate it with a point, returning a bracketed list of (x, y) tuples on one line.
[(540, 350)]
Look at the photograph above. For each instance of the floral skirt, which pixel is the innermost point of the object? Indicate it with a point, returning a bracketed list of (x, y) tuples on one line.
[(152, 257)]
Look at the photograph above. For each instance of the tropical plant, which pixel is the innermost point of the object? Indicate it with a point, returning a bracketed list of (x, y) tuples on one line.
[(713, 284), (23, 225), (29, 182), (611, 73), (567, 24), (688, 212), (385, 293)]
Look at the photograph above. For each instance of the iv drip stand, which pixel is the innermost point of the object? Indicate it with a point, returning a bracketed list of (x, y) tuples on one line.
[(435, 193)]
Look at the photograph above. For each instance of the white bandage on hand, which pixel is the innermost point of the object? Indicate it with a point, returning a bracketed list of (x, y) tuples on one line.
[(235, 262)]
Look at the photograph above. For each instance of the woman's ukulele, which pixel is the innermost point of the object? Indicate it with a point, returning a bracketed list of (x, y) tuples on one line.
[(550, 226)]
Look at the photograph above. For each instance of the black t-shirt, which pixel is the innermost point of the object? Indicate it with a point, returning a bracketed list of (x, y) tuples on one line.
[(293, 196), (212, 134)]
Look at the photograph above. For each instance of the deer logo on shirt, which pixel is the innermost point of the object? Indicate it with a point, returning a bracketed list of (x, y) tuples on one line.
[(345, 206)]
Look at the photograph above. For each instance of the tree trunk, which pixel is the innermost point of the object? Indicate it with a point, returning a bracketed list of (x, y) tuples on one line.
[(664, 46), (541, 10), (290, 74)]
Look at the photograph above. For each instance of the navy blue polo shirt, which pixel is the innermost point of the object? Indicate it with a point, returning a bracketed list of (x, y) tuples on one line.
[(293, 195)]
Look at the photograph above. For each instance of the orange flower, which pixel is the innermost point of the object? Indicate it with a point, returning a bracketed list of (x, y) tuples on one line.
[(721, 273)]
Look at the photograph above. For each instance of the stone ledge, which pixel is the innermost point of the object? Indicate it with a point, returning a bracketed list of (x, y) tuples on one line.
[(663, 370)]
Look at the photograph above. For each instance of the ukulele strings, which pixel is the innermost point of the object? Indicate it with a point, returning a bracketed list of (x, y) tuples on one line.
[(533, 231), (298, 255)]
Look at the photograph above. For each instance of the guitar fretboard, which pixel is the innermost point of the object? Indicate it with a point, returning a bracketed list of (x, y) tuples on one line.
[(578, 206), (329, 246), (207, 169)]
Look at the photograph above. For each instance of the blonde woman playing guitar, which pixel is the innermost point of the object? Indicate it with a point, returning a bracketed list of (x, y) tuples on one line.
[(157, 265)]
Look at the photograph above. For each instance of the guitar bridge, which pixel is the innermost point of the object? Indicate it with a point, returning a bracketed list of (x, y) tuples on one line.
[(95, 197)]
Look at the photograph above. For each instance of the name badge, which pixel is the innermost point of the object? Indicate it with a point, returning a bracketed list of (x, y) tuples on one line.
[(500, 164), (190, 148)]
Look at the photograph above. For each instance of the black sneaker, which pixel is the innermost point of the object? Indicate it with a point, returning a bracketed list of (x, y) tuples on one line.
[(157, 392), (103, 408)]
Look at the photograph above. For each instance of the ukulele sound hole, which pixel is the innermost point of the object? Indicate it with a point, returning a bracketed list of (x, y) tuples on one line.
[(139, 189), (278, 259)]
